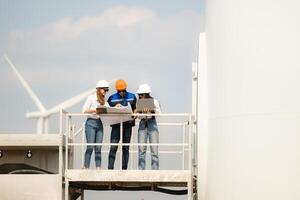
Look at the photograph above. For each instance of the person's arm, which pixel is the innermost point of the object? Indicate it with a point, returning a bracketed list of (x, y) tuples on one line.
[(86, 109), (157, 107), (111, 104), (90, 111), (133, 105), (106, 104)]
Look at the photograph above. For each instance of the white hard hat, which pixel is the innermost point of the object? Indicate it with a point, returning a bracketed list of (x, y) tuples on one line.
[(102, 84), (144, 88)]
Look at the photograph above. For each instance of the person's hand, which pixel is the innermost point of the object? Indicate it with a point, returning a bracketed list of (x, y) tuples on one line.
[(90, 111), (146, 110), (135, 112), (98, 112), (118, 106)]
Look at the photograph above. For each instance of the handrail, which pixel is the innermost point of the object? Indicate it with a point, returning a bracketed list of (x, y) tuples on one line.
[(128, 144), (185, 145), (133, 114)]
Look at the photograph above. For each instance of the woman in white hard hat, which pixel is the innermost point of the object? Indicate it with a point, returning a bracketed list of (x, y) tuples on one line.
[(93, 125), (148, 130)]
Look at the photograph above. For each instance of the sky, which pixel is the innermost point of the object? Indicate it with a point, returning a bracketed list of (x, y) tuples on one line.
[(62, 48)]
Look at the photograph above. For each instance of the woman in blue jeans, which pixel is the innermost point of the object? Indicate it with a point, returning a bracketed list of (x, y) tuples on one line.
[(93, 125), (148, 130)]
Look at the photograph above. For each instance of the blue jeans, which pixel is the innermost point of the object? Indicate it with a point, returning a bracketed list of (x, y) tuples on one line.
[(115, 138), (148, 129), (94, 134)]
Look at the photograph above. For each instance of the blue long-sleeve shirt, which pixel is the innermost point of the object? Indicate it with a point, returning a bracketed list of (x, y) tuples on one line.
[(116, 98)]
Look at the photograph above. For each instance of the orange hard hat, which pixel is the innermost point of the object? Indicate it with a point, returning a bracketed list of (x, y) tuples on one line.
[(121, 85)]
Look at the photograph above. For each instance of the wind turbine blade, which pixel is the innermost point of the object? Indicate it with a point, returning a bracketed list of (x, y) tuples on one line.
[(70, 102), (26, 86)]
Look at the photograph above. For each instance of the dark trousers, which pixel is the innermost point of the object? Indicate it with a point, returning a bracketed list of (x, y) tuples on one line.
[(115, 138)]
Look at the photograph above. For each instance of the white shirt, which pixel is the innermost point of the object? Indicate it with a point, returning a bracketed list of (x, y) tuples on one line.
[(92, 103), (157, 107)]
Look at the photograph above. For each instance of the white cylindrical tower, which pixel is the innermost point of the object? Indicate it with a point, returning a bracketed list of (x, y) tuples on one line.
[(253, 62)]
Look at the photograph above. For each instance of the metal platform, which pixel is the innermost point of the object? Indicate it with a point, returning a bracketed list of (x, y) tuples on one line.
[(179, 181), (171, 178), (128, 180)]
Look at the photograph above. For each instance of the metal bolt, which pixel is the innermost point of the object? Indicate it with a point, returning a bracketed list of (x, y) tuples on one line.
[(29, 154)]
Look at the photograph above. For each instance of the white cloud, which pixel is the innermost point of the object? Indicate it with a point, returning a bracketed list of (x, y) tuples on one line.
[(118, 31), (122, 42), (67, 28)]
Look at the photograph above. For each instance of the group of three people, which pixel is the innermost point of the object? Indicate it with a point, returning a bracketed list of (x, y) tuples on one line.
[(94, 127)]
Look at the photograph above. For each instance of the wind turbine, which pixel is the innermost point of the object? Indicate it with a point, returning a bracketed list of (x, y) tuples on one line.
[(43, 115)]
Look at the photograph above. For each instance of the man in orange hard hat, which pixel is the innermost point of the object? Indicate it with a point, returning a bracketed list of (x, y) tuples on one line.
[(119, 99)]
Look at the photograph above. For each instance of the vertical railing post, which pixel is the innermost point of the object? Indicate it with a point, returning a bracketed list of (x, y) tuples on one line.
[(183, 142), (60, 150), (121, 142), (67, 142), (194, 118), (190, 142), (68, 126), (190, 184), (82, 194), (66, 189), (131, 149), (72, 147), (194, 112), (60, 159), (82, 147)]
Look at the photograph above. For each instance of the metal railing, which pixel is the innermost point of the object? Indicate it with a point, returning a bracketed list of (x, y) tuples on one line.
[(185, 145)]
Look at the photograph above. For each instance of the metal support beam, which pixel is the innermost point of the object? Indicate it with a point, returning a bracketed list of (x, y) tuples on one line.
[(202, 119)]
